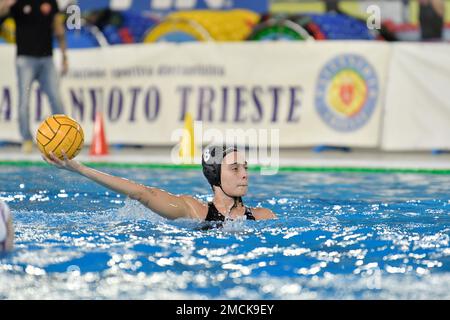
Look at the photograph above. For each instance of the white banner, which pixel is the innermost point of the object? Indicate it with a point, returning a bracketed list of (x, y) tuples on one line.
[(417, 110), (313, 92)]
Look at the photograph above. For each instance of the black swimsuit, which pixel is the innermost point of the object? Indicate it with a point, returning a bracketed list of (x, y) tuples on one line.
[(215, 215)]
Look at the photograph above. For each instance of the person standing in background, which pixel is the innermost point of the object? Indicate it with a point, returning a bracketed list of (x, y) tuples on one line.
[(431, 17), (36, 23)]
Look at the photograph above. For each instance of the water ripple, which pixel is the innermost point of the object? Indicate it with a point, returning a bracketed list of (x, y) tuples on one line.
[(338, 236)]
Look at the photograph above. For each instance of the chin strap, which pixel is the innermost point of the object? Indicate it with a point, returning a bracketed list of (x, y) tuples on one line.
[(237, 200)]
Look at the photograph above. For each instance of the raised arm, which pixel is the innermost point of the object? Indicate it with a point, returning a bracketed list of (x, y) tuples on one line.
[(163, 203)]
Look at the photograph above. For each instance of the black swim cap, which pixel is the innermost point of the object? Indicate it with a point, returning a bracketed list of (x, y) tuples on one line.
[(212, 158)]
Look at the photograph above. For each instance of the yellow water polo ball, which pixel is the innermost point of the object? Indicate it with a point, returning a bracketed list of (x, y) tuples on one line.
[(60, 132)]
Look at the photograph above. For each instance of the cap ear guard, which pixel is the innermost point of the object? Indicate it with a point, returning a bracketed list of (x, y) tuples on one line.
[(211, 175), (210, 167)]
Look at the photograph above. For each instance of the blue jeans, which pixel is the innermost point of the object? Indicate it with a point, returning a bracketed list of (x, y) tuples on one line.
[(43, 70)]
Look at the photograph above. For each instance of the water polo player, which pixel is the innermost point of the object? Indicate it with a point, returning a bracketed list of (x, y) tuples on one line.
[(6, 228), (225, 168)]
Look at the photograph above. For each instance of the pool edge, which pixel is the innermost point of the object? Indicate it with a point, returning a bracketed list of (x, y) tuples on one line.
[(285, 168)]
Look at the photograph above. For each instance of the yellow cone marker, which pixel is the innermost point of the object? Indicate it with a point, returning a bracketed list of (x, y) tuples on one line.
[(187, 145)]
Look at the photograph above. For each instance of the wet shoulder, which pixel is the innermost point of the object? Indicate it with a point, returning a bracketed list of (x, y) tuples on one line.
[(196, 209), (263, 213)]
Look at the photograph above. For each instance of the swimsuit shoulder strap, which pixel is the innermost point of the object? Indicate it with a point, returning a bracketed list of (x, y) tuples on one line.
[(213, 213), (249, 213)]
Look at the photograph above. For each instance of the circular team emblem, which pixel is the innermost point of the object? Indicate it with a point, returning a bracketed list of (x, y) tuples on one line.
[(347, 92)]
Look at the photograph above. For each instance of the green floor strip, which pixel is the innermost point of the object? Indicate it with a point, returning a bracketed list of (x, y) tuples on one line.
[(252, 168)]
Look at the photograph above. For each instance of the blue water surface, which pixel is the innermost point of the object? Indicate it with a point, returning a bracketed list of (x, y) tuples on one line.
[(337, 236)]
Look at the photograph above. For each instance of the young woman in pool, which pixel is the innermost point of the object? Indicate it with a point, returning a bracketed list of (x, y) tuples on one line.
[(225, 169), (6, 228)]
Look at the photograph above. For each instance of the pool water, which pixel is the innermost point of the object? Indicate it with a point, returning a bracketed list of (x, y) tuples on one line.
[(338, 236)]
